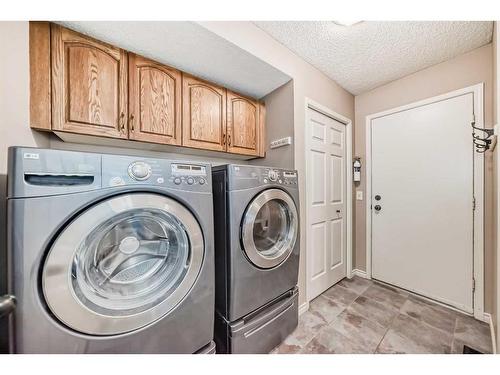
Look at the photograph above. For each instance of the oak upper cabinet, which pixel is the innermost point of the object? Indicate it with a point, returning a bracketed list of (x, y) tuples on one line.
[(154, 101), (89, 85), (203, 114), (244, 127)]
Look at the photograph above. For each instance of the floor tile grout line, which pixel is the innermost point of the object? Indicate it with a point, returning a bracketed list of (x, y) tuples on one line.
[(322, 328), (426, 324), (345, 309), (389, 326), (407, 298), (328, 323), (349, 305), (453, 337)]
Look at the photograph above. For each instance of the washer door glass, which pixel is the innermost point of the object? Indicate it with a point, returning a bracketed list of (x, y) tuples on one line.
[(123, 264), (269, 228)]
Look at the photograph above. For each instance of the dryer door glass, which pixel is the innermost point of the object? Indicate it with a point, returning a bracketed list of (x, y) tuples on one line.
[(123, 264), (269, 228)]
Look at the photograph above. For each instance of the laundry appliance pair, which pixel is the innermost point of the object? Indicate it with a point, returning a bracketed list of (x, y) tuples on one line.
[(115, 254)]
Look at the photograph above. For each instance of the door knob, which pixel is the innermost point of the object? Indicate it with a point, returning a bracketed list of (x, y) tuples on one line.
[(378, 207), (378, 197)]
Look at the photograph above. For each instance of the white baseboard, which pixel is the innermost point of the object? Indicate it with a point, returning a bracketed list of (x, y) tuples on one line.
[(489, 319), (360, 273), (303, 308)]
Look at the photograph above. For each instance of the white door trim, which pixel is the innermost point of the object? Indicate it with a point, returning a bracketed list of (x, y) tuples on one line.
[(478, 258), (311, 104)]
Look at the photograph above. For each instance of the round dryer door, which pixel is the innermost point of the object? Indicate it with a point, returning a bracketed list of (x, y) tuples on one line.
[(269, 228), (122, 264)]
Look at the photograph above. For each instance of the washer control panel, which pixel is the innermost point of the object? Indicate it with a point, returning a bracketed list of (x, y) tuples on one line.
[(139, 170), (189, 174), (127, 170)]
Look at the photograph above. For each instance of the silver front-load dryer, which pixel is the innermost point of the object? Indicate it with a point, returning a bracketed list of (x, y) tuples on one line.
[(108, 253), (257, 256)]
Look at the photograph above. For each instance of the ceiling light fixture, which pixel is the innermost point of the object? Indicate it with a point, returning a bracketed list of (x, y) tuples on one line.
[(346, 22)]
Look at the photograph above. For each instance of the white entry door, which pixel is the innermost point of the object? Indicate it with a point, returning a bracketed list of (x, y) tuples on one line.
[(422, 200), (326, 202)]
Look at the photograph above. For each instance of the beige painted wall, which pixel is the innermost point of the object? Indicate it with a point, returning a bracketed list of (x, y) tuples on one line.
[(14, 91), (279, 124), (496, 110), (308, 82), (14, 120), (465, 70)]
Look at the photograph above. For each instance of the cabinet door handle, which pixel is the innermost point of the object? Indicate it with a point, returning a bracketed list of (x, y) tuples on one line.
[(224, 139), (229, 139), (122, 122), (132, 118)]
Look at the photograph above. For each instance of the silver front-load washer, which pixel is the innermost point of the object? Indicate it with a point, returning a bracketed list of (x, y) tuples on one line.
[(109, 254), (257, 256)]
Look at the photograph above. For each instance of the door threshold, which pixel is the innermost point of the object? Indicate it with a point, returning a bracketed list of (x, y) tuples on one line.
[(436, 302)]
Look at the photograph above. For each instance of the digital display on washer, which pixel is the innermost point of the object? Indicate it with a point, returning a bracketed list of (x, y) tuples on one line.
[(188, 169), (289, 174)]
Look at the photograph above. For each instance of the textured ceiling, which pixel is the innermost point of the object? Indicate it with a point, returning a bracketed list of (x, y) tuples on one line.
[(369, 54), (189, 47)]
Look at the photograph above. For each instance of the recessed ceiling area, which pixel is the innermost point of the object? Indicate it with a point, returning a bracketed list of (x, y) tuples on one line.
[(369, 54), (191, 48)]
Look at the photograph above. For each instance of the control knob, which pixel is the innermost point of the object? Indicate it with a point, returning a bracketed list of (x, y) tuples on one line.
[(273, 175), (139, 170)]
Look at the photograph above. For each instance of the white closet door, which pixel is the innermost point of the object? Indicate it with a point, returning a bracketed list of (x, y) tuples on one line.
[(326, 202)]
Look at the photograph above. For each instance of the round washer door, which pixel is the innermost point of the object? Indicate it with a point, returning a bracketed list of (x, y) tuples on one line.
[(269, 228), (122, 264)]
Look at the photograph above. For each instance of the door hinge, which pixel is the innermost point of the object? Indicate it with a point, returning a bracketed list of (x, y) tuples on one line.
[(473, 285), (473, 203)]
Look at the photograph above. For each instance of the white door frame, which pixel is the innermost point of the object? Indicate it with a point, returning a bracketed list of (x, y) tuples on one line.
[(478, 256), (311, 104)]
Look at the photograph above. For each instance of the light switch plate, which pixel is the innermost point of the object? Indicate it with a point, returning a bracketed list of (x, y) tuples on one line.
[(359, 195)]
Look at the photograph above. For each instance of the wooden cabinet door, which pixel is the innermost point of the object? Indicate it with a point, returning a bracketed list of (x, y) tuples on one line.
[(203, 114), (154, 101), (89, 85), (243, 125)]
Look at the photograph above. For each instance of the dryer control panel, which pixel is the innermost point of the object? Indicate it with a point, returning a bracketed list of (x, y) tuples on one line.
[(279, 176), (247, 176)]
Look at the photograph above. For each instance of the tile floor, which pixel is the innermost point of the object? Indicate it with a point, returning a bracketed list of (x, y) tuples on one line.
[(361, 316)]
